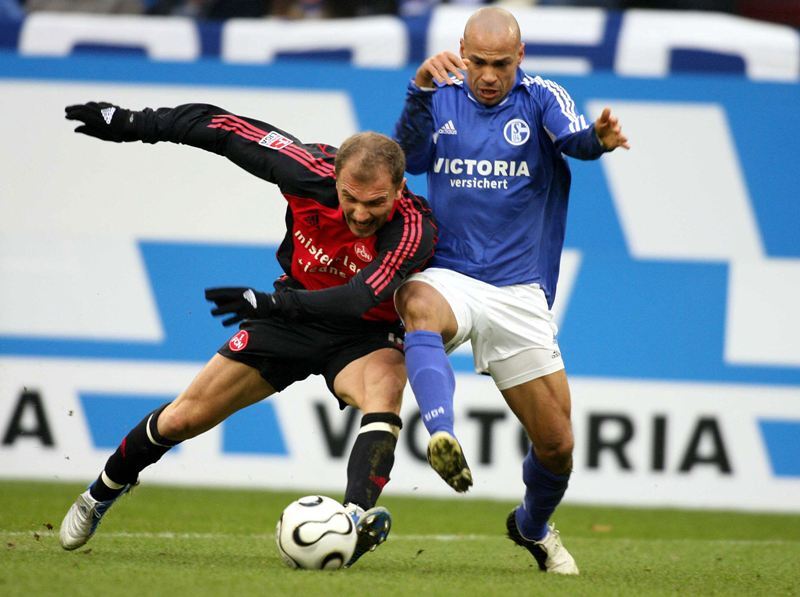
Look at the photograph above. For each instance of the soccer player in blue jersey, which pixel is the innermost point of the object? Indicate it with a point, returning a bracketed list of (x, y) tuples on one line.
[(491, 140)]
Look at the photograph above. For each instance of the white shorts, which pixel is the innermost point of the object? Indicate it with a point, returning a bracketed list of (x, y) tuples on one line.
[(511, 328)]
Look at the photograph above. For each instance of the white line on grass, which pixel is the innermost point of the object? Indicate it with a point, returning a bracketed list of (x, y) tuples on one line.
[(395, 537), (264, 536)]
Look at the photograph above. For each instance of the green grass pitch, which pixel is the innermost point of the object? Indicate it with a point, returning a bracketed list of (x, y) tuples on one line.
[(179, 541)]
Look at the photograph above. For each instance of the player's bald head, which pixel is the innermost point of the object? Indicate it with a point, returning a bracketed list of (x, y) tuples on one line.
[(492, 49), (492, 22)]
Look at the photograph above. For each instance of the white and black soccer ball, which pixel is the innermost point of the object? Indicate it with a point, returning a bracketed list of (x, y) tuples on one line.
[(315, 533)]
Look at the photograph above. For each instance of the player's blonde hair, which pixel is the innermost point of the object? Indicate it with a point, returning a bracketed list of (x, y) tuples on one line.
[(368, 152)]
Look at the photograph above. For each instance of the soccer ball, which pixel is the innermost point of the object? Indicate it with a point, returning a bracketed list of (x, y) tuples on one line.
[(315, 533)]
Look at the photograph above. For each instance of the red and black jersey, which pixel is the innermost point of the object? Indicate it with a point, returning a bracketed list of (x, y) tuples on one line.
[(329, 272)]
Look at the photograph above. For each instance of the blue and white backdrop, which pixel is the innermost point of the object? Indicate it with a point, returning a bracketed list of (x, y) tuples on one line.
[(678, 302)]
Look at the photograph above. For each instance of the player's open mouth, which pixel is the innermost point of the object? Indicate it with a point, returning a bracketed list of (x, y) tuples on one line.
[(362, 226)]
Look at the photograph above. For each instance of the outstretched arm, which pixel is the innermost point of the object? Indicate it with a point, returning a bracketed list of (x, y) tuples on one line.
[(568, 128), (260, 148)]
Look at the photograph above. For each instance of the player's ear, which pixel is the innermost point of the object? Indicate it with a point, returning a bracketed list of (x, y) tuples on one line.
[(399, 192), (521, 53), (461, 47)]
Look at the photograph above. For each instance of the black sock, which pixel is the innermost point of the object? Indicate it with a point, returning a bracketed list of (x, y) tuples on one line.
[(143, 446), (372, 458)]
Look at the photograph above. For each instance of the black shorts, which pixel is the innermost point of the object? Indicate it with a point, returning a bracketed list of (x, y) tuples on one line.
[(288, 351)]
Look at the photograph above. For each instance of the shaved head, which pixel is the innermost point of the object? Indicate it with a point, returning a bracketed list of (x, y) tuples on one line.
[(492, 50), (494, 22)]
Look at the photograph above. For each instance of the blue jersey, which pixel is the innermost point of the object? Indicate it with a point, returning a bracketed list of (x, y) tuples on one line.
[(497, 181)]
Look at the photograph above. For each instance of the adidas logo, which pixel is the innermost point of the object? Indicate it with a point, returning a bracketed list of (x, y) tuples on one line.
[(448, 128), (108, 114)]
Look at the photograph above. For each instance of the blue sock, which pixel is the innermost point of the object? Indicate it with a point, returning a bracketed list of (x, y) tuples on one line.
[(431, 378), (543, 492)]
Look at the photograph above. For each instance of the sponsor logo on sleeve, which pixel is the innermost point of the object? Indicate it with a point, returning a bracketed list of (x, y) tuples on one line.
[(275, 140)]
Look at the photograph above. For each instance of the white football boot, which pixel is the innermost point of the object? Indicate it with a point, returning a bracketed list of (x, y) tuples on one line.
[(549, 553), (82, 519)]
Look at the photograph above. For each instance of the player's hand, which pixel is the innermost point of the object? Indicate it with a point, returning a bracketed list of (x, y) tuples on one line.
[(439, 68), (609, 131), (104, 121), (241, 303)]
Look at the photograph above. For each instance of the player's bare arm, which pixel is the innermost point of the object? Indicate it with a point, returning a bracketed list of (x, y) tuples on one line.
[(439, 68), (609, 131)]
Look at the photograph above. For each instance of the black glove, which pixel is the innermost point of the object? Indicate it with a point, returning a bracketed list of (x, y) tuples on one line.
[(104, 121), (244, 303)]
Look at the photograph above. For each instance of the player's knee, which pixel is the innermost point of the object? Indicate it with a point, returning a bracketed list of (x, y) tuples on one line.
[(556, 455), (390, 399), (180, 421), (395, 386), (387, 397), (415, 308)]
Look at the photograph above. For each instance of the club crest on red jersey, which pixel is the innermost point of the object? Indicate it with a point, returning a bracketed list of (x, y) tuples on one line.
[(362, 252), (239, 341)]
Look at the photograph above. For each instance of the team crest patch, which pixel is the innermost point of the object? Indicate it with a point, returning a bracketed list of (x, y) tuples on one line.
[(362, 252), (239, 341), (275, 140), (516, 131)]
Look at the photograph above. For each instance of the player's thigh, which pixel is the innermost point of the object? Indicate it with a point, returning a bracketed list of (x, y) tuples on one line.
[(423, 306), (221, 388), (515, 335), (373, 382), (543, 406)]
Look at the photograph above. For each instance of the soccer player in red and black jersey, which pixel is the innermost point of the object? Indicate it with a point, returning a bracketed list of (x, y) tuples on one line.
[(354, 233)]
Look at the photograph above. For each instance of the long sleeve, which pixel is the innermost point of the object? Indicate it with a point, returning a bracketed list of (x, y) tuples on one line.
[(258, 147), (414, 129), (567, 128), (583, 145)]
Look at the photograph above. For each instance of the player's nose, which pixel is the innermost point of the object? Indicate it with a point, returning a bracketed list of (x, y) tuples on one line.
[(360, 214), (489, 76)]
